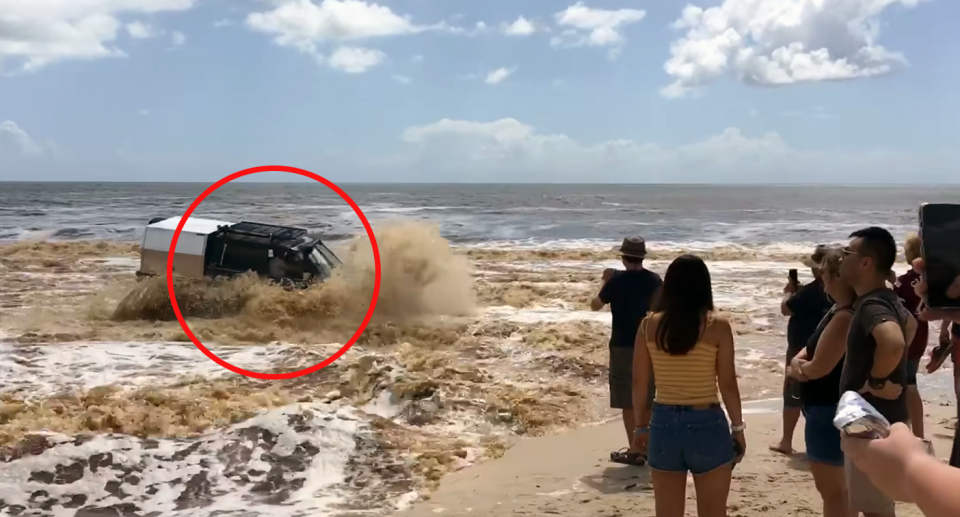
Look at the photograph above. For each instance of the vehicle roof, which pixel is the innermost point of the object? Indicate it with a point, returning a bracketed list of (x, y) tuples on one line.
[(193, 225), (266, 234)]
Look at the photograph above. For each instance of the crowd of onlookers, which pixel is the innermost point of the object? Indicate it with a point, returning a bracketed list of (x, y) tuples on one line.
[(857, 327)]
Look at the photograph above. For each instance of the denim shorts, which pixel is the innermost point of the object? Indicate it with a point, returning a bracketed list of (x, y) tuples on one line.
[(822, 438), (684, 439)]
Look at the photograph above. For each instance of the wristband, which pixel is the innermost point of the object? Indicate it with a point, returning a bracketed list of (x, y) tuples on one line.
[(738, 428), (641, 430)]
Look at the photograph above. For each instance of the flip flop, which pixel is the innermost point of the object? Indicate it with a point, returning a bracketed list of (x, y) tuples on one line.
[(938, 356), (625, 457)]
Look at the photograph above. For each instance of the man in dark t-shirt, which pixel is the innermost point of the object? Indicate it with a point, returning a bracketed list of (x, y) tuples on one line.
[(806, 306), (629, 293), (876, 362)]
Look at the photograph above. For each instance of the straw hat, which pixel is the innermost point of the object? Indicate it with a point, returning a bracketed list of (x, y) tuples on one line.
[(814, 260), (634, 247)]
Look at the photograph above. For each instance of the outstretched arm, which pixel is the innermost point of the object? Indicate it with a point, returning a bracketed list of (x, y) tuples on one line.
[(900, 466), (606, 291)]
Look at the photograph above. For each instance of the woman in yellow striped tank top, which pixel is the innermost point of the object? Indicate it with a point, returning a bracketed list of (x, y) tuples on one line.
[(692, 355)]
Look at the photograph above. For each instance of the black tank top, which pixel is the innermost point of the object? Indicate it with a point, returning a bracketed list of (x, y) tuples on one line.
[(824, 391)]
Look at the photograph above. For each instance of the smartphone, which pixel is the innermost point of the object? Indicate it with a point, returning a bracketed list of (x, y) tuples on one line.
[(793, 276), (940, 236)]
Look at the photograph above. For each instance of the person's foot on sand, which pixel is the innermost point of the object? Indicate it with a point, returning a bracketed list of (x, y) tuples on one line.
[(783, 448)]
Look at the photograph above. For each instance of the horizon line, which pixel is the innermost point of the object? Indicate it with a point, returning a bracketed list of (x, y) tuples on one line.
[(447, 183)]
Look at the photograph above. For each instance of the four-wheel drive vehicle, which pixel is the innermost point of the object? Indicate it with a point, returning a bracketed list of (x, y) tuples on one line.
[(208, 248)]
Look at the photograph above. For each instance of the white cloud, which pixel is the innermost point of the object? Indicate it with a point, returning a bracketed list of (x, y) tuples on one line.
[(499, 75), (139, 30), (520, 27), (779, 42), (508, 150), (478, 29), (402, 79), (417, 58), (585, 26), (178, 39), (143, 112), (223, 23), (303, 25), (36, 33), (355, 60), (11, 134)]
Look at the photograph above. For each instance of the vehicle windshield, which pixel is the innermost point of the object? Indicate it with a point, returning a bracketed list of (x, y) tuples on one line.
[(323, 264)]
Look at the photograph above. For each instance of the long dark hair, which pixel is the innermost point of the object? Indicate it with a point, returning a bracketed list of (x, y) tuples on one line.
[(684, 300)]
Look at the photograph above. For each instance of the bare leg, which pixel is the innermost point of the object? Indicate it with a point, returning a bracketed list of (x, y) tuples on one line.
[(713, 489), (670, 493), (915, 407), (791, 415), (832, 485), (629, 424)]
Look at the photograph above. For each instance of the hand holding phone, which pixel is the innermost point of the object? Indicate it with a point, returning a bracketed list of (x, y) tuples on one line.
[(940, 248), (608, 274), (792, 282)]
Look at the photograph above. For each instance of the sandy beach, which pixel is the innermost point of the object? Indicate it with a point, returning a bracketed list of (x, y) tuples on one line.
[(482, 378), (569, 474)]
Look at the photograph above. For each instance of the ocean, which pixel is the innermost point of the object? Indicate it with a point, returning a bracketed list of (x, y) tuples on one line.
[(468, 214), (482, 336)]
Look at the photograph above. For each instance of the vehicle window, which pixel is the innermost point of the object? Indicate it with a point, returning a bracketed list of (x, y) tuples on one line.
[(322, 263)]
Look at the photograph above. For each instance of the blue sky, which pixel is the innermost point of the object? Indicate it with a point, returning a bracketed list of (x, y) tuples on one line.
[(753, 91)]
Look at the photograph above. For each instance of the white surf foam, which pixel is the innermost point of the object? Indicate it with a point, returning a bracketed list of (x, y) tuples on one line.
[(41, 370), (561, 312), (287, 462)]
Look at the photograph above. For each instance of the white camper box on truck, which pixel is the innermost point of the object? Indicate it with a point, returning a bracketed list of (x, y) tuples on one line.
[(189, 257), (208, 248)]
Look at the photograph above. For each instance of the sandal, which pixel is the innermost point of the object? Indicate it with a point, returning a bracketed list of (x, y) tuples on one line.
[(939, 355), (626, 457)]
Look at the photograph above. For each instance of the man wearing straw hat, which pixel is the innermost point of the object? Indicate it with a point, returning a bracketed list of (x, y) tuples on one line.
[(806, 306), (629, 292)]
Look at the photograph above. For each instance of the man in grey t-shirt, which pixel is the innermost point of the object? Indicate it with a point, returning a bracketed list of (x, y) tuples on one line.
[(876, 362)]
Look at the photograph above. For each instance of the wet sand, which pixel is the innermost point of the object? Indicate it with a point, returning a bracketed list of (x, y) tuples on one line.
[(473, 352)]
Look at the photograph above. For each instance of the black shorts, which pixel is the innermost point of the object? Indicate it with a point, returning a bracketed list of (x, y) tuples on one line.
[(621, 379), (913, 366)]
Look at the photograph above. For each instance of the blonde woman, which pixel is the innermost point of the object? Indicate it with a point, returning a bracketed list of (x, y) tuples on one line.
[(818, 367)]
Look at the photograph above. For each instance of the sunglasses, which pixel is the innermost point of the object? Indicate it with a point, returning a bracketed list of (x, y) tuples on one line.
[(847, 251)]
